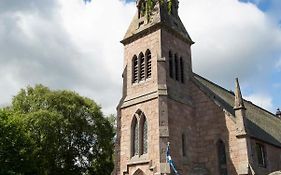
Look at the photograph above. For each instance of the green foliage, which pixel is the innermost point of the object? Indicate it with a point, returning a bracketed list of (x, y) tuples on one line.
[(55, 132), (150, 5)]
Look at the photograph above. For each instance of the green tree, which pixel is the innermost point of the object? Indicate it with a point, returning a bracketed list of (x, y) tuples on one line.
[(65, 133), (15, 146)]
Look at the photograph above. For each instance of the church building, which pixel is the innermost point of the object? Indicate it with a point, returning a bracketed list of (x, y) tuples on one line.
[(211, 131)]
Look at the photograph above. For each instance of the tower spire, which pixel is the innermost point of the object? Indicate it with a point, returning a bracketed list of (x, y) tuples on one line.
[(239, 102)]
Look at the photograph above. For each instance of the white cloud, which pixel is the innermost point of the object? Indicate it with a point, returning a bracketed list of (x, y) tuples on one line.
[(231, 39), (67, 44), (74, 47), (261, 100)]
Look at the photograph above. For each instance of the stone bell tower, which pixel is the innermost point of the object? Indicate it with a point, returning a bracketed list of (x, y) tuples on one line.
[(156, 103)]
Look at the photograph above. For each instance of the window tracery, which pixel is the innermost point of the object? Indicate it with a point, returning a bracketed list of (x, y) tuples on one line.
[(139, 134)]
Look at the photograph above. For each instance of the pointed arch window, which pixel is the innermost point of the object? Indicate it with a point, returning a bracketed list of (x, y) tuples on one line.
[(143, 131), (148, 64), (222, 158), (171, 66), (176, 67), (142, 67), (181, 70), (261, 155), (183, 145), (135, 69), (135, 137), (139, 134)]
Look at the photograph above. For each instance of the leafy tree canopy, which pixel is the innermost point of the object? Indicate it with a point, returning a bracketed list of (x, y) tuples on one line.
[(54, 132)]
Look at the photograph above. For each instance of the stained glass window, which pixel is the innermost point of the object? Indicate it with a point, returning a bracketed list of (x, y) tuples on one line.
[(144, 136), (135, 138), (139, 134)]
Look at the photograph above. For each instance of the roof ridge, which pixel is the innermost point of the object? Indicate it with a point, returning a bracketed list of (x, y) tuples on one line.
[(230, 92)]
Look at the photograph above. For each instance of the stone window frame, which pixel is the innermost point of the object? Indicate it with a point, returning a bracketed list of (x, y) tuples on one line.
[(139, 121), (222, 166), (141, 67), (261, 155)]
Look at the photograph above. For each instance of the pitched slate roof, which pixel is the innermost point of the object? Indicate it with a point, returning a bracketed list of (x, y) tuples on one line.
[(260, 123)]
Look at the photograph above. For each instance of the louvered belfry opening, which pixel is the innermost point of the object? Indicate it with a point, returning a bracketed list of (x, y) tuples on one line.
[(171, 65), (148, 64), (142, 67), (176, 67), (181, 70), (135, 69)]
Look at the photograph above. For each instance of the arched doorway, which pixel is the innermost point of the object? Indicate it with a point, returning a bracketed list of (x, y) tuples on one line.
[(139, 172)]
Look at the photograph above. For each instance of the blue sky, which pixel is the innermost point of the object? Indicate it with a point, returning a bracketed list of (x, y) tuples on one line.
[(273, 9), (46, 42)]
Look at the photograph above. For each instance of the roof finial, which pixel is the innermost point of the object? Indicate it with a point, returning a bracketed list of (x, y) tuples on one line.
[(239, 103), (278, 113)]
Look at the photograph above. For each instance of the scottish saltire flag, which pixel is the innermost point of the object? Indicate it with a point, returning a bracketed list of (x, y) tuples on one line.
[(169, 159), (87, 1)]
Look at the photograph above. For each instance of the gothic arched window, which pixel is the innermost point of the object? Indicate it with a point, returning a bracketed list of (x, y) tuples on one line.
[(183, 145), (142, 67), (181, 70), (135, 136), (176, 67), (135, 69), (139, 134), (143, 132), (171, 66), (222, 157), (148, 64)]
